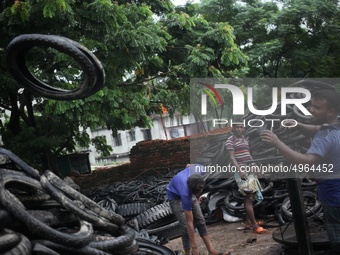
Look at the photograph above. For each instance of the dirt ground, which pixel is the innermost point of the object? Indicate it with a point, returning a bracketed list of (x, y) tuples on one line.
[(226, 237)]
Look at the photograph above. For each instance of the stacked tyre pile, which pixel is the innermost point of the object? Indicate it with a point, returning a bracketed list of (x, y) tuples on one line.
[(222, 199), (42, 214), (142, 203)]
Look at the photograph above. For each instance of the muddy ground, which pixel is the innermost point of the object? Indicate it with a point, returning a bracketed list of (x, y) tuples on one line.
[(226, 237)]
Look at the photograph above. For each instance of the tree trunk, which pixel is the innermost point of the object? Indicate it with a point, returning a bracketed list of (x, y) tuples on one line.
[(14, 121), (163, 125)]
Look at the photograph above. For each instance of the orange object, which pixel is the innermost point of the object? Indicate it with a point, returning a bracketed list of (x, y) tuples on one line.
[(261, 230), (164, 110)]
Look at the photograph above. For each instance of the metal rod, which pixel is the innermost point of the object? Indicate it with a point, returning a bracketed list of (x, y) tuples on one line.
[(300, 219)]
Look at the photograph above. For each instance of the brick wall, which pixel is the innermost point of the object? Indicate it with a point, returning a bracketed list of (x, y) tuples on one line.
[(147, 158)]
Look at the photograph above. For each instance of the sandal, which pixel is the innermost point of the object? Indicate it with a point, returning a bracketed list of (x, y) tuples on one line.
[(251, 240), (261, 230)]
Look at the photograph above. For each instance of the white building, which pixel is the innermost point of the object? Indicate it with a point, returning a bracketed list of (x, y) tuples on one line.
[(163, 127)]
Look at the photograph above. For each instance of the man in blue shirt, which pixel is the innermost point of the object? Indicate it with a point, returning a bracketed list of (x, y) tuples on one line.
[(182, 193), (323, 154)]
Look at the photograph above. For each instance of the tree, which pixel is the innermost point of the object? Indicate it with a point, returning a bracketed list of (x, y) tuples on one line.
[(148, 61), (283, 38)]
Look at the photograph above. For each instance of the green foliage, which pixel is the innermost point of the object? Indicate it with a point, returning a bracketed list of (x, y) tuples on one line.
[(149, 52), (199, 57), (50, 8), (100, 144), (20, 9), (295, 38)]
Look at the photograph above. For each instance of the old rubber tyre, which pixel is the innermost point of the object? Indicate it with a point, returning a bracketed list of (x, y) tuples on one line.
[(16, 62)]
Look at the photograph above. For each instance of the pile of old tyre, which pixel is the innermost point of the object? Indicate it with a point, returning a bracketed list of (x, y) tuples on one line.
[(143, 204), (42, 214), (222, 199)]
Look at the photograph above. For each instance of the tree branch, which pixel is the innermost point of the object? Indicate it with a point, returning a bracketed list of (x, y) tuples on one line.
[(145, 80)]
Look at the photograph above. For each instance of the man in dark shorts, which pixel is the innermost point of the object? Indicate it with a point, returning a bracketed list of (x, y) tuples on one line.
[(238, 151), (182, 193)]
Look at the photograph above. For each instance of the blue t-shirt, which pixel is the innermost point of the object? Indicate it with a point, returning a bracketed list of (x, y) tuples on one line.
[(178, 188), (326, 144)]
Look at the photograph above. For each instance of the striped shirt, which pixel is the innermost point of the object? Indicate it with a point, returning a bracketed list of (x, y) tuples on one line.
[(240, 146)]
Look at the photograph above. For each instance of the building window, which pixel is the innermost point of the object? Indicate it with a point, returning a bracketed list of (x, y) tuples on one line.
[(132, 135), (147, 134), (174, 133), (118, 140)]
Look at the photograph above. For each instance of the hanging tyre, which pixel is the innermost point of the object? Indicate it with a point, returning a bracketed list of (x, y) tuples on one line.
[(92, 70)]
